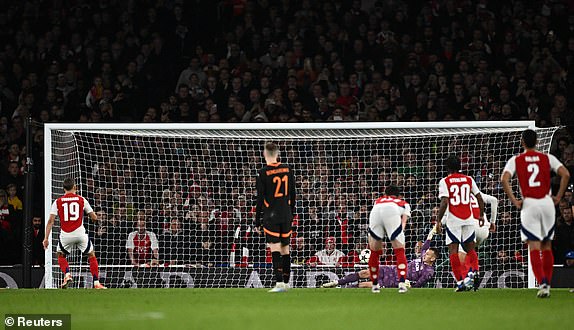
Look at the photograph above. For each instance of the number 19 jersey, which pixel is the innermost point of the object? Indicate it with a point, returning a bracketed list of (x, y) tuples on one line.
[(457, 187), (70, 209), (533, 171)]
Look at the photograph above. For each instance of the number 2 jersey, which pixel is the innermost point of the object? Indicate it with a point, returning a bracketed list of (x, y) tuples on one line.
[(275, 194), (533, 171), (70, 209), (458, 187)]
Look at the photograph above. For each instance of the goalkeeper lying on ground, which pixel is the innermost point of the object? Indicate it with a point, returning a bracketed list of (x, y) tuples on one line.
[(419, 272)]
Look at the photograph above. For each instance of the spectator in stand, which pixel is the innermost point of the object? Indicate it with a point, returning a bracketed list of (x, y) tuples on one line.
[(564, 240), (329, 256), (13, 198), (142, 246), (37, 238)]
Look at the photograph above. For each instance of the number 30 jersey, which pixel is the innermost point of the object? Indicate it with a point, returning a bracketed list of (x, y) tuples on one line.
[(70, 209), (533, 171), (275, 194), (457, 187)]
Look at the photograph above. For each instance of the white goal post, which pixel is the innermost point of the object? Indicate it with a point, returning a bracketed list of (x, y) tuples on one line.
[(192, 187)]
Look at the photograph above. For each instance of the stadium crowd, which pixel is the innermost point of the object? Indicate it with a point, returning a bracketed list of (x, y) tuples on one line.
[(270, 61)]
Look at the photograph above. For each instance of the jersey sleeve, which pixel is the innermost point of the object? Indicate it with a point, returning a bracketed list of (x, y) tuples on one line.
[(153, 241), (54, 209), (510, 166), (426, 275), (442, 189), (554, 163), (474, 187), (130, 241), (407, 210), (493, 202), (87, 207)]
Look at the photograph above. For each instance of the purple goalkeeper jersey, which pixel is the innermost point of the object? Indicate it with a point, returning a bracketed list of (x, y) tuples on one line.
[(418, 273)]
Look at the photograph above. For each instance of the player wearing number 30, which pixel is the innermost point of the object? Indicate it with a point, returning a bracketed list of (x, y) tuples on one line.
[(70, 208), (455, 193), (537, 206)]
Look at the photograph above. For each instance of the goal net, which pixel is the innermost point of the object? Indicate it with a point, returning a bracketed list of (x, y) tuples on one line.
[(175, 203)]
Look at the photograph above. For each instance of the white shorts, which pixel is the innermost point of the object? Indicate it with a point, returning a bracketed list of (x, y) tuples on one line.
[(537, 219), (78, 239), (385, 220), (459, 231), (480, 234)]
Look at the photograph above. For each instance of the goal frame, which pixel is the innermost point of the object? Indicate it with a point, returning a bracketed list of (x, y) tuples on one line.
[(49, 127)]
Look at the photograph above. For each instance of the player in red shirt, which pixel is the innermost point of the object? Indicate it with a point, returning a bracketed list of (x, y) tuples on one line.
[(70, 209), (537, 206), (454, 192)]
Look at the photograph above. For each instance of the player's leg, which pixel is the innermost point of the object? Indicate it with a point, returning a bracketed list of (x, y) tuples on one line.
[(453, 234), (64, 245), (376, 247), (87, 248), (273, 237), (376, 234), (285, 253), (347, 279), (398, 244), (532, 233), (548, 223)]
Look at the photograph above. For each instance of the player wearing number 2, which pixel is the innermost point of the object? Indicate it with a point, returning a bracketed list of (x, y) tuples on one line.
[(70, 208), (275, 207), (455, 191), (537, 206)]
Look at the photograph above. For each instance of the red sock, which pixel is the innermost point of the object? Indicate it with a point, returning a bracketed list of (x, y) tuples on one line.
[(94, 267), (63, 264), (548, 265), (374, 266), (536, 263), (467, 265), (401, 264), (456, 266), (472, 259)]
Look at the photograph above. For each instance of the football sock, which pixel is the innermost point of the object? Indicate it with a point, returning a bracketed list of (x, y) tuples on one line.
[(286, 258), (354, 277), (94, 268), (401, 264), (536, 263), (374, 266), (277, 266), (456, 266), (467, 265), (548, 265), (472, 258), (63, 264)]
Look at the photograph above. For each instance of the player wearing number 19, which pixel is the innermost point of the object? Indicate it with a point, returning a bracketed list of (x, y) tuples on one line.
[(275, 207), (537, 206), (70, 209)]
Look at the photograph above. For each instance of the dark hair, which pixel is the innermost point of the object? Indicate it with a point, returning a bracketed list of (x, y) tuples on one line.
[(69, 184), (435, 251), (452, 163), (392, 190), (271, 148), (529, 138)]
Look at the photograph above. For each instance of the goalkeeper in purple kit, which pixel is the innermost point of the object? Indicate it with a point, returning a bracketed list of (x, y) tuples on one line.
[(419, 272)]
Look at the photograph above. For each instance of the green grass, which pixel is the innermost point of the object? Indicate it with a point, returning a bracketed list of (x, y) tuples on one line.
[(298, 309)]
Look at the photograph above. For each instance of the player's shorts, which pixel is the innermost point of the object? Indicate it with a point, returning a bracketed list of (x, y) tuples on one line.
[(480, 234), (278, 232), (458, 230), (385, 220), (78, 239), (538, 219)]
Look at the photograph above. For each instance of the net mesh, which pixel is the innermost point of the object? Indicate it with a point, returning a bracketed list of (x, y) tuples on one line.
[(176, 207)]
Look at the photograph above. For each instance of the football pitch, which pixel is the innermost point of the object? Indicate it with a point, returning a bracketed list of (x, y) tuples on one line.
[(296, 309)]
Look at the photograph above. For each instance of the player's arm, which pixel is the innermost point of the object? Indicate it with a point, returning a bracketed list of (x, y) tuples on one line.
[(154, 249), (476, 192), (292, 191), (406, 215), (493, 202), (507, 174), (443, 195), (50, 224), (424, 278), (564, 175), (260, 198), (130, 248), (89, 210)]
